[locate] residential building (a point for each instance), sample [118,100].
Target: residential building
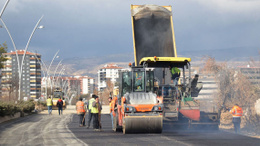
[87,84]
[252,73]
[77,85]
[210,86]
[108,72]
[30,79]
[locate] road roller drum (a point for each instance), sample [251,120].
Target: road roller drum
[143,124]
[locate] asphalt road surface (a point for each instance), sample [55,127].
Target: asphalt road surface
[42,129]
[169,137]
[39,129]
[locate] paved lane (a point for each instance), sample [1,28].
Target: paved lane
[170,136]
[39,129]
[43,129]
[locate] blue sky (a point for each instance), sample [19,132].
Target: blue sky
[87,28]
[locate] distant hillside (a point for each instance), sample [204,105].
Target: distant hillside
[89,66]
[229,54]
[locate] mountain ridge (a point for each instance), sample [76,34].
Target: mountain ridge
[88,66]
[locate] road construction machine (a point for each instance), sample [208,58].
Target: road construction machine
[138,107]
[57,94]
[154,46]
[138,110]
[179,98]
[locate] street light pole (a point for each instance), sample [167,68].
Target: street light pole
[57,79]
[25,50]
[28,42]
[62,69]
[53,77]
[44,72]
[2,11]
[45,77]
[64,85]
[43,65]
[53,60]
[16,52]
[57,67]
[48,72]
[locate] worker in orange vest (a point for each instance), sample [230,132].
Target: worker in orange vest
[237,112]
[114,105]
[81,111]
[113,109]
[159,97]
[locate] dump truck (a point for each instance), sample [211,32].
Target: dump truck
[154,46]
[154,51]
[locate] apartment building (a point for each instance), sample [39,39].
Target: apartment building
[87,84]
[252,73]
[108,72]
[75,84]
[30,79]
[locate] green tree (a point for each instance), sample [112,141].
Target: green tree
[3,49]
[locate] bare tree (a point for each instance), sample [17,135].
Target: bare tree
[72,90]
[234,88]
[107,92]
[11,85]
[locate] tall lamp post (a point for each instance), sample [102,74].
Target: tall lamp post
[48,72]
[45,73]
[42,65]
[59,64]
[2,11]
[53,77]
[20,65]
[57,79]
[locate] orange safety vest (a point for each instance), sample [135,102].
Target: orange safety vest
[236,111]
[113,104]
[80,107]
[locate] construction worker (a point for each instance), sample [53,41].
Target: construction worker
[110,109]
[80,107]
[99,114]
[139,82]
[89,106]
[237,112]
[175,72]
[159,97]
[114,106]
[95,111]
[60,105]
[49,105]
